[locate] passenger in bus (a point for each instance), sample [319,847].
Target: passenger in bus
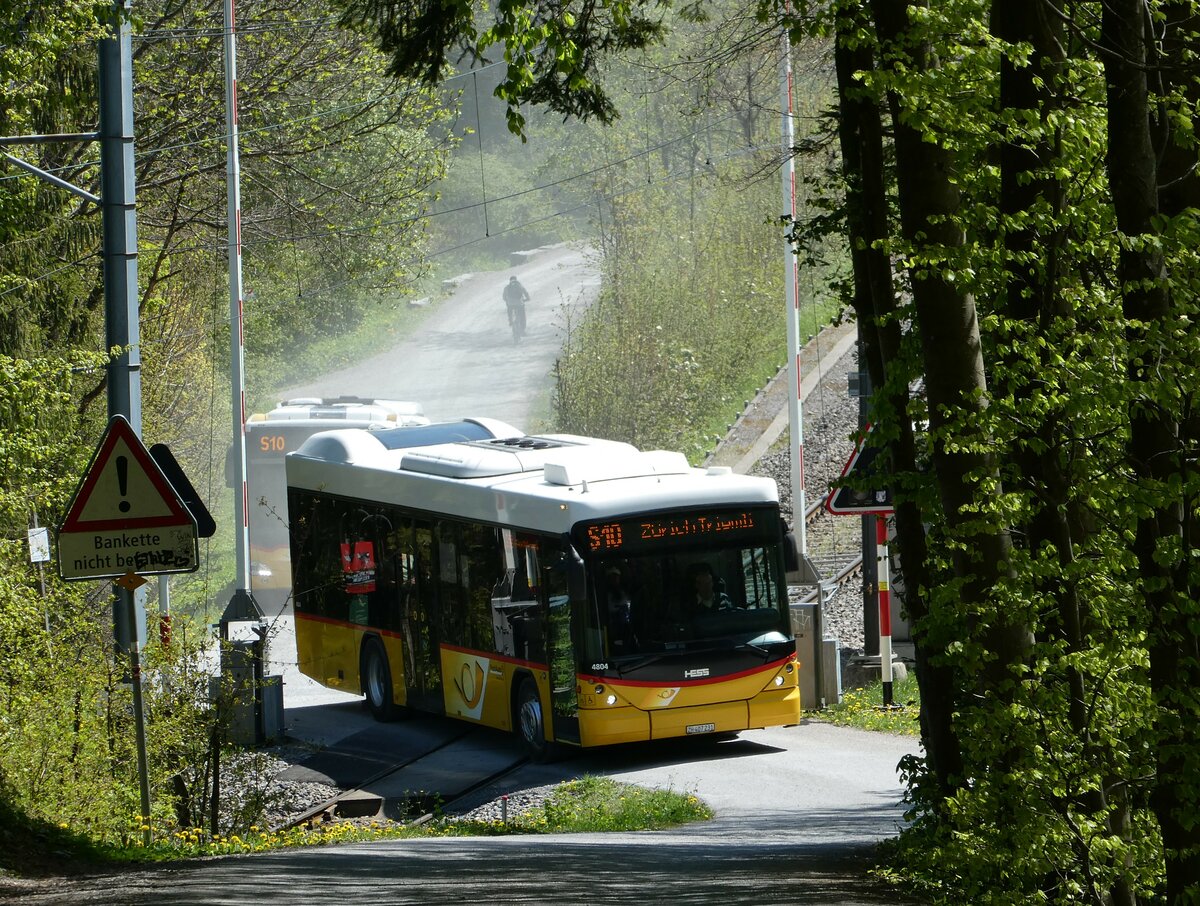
[620,610]
[708,595]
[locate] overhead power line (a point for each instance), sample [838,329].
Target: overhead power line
[271,127]
[250,243]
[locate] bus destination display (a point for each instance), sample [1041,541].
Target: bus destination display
[652,532]
[271,442]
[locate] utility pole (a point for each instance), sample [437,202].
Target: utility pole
[791,282]
[792,291]
[242,606]
[870,564]
[119,218]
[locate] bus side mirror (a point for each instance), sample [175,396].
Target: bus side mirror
[576,576]
[791,552]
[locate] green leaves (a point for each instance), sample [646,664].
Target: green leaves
[554,50]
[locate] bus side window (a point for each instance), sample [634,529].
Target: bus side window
[535,623]
[480,556]
[516,611]
[318,566]
[454,617]
[756,573]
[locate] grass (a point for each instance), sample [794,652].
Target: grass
[590,804]
[587,804]
[863,708]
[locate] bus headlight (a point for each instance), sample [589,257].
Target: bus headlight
[778,679]
[611,700]
[599,689]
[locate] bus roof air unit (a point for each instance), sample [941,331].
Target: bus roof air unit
[378,448]
[466,429]
[507,456]
[606,467]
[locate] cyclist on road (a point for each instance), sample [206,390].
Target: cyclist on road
[515,297]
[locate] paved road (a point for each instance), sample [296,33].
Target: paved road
[462,361]
[798,810]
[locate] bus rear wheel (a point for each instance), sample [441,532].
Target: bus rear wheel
[531,724]
[377,680]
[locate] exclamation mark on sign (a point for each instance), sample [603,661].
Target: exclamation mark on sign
[123,482]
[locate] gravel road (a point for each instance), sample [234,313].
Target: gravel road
[463,362]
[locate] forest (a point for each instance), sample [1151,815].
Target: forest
[360,191]
[1002,194]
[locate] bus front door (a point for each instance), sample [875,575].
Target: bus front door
[422,673]
[561,562]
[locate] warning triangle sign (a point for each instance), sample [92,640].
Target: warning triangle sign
[872,494]
[124,489]
[125,518]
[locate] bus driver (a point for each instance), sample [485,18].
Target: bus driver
[708,597]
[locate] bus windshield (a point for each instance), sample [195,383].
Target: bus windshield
[660,589]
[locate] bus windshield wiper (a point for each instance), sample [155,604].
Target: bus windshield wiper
[757,649]
[637,663]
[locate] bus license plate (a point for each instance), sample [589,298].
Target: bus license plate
[700,728]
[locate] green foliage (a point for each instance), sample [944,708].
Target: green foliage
[325,207]
[1053,801]
[48,239]
[691,317]
[41,454]
[505,194]
[329,219]
[651,369]
[553,52]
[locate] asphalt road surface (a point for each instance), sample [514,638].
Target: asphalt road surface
[462,360]
[798,811]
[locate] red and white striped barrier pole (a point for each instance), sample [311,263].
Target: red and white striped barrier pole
[885,609]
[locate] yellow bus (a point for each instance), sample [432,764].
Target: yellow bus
[576,591]
[272,435]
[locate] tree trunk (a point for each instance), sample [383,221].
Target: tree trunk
[953,357]
[861,134]
[1155,455]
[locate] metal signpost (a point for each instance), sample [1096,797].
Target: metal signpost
[876,501]
[124,522]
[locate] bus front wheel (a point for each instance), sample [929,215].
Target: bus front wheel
[377,680]
[531,724]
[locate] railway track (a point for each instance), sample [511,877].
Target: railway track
[460,764]
[845,571]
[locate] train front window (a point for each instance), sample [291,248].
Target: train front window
[692,599]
